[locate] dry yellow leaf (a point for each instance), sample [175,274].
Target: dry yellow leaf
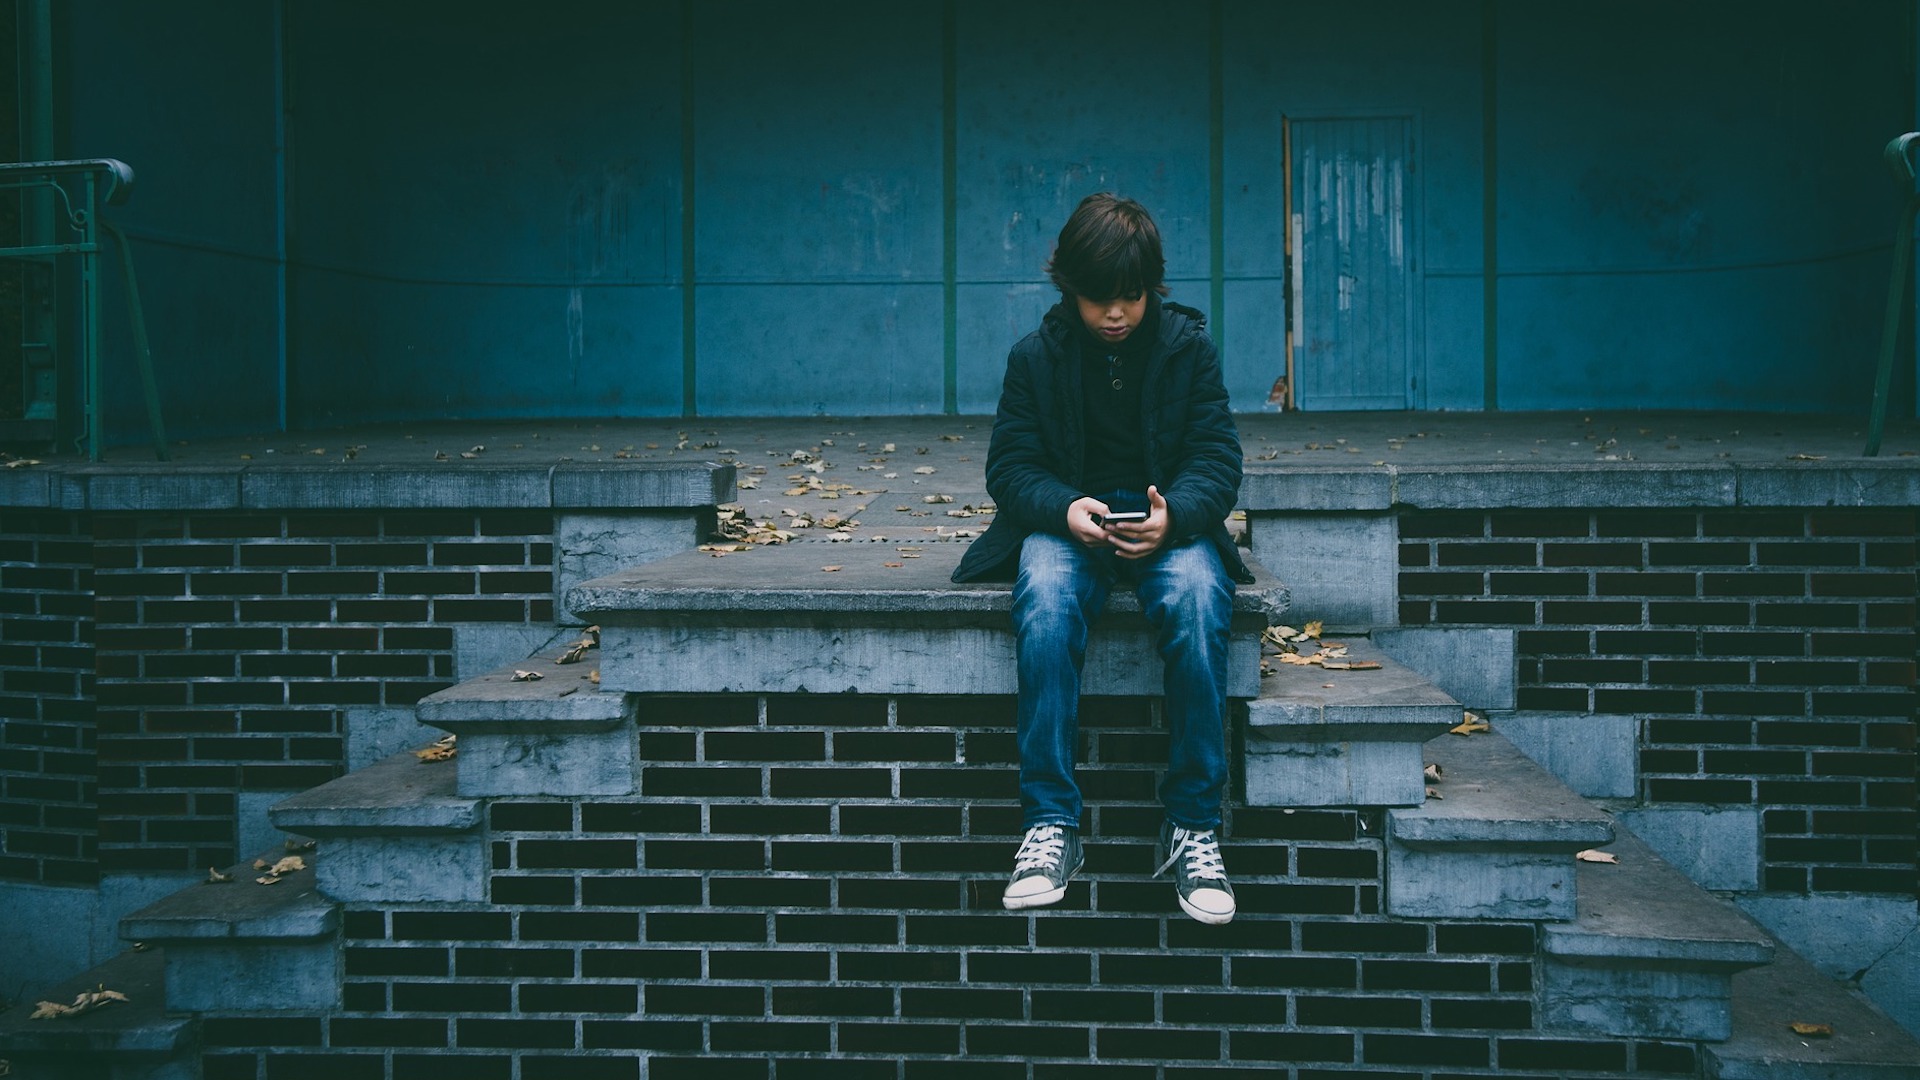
[574,654]
[595,676]
[1596,855]
[289,865]
[1472,725]
[268,880]
[1816,1031]
[830,569]
[1312,629]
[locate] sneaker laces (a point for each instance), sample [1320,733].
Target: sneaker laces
[1202,851]
[1041,850]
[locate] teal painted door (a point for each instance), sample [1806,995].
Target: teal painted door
[1352,272]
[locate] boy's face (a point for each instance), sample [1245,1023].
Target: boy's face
[1113,321]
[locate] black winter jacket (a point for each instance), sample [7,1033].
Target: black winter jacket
[1035,463]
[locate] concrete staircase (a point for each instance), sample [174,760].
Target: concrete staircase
[1628,950]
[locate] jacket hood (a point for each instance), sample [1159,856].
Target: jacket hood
[1178,324]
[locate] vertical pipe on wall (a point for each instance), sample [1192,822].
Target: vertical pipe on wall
[1216,176]
[281,101]
[688,340]
[949,209]
[1489,205]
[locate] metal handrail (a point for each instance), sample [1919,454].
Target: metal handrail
[80,187]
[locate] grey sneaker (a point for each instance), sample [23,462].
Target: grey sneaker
[1198,873]
[1049,857]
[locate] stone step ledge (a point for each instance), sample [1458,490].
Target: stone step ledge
[133,486]
[222,940]
[560,734]
[1343,738]
[1649,953]
[1866,1044]
[1498,843]
[859,617]
[394,832]
[125,1039]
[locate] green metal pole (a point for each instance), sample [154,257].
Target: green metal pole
[1896,154]
[143,353]
[92,411]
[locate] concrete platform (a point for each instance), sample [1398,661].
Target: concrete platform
[859,617]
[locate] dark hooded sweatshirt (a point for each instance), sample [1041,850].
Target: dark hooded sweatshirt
[1037,461]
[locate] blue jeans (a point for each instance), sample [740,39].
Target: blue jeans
[1188,599]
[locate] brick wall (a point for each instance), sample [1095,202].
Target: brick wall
[805,876]
[1771,655]
[230,646]
[47,810]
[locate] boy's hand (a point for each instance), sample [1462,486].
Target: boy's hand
[1138,539]
[1081,524]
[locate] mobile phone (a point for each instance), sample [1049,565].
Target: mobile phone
[1124,515]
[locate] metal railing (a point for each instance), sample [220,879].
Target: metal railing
[60,216]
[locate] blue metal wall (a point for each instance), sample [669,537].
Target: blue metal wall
[492,209]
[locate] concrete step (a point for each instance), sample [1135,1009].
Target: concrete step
[1649,953]
[393,832]
[1866,1044]
[243,946]
[130,1040]
[1343,738]
[863,617]
[1498,843]
[561,734]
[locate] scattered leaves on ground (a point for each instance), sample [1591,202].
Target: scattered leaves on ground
[1595,855]
[87,1001]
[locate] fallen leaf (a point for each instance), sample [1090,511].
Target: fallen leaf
[85,1002]
[574,654]
[595,676]
[937,499]
[21,463]
[1806,457]
[261,864]
[215,877]
[1817,1031]
[527,676]
[1472,725]
[289,865]
[1434,772]
[1595,855]
[1432,794]
[893,565]
[1312,629]
[301,845]
[830,569]
[268,880]
[926,470]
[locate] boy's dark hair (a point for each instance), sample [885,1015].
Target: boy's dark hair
[1109,248]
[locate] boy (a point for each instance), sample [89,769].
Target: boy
[1114,460]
